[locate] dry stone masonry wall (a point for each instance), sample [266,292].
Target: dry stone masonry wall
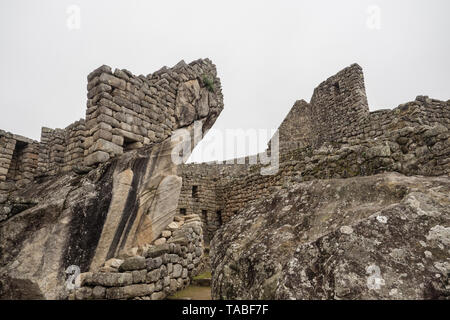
[124,112]
[202,193]
[333,136]
[18,160]
[158,271]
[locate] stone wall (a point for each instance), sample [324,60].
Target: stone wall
[202,194]
[154,273]
[126,112]
[296,129]
[412,139]
[337,104]
[74,141]
[51,151]
[420,150]
[18,160]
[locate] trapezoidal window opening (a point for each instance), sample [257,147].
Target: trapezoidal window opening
[128,144]
[183,211]
[219,217]
[204,216]
[194,191]
[15,167]
[337,88]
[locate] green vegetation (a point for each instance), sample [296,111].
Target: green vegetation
[208,82]
[204,275]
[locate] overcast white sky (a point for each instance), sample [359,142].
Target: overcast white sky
[268,53]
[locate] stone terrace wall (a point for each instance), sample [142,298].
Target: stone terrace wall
[157,272]
[126,112]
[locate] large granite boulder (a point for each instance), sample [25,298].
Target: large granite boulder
[379,237]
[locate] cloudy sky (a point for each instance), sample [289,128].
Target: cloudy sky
[268,53]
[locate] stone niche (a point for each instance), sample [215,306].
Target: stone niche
[18,160]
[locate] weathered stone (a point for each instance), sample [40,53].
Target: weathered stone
[114,263]
[153,276]
[96,157]
[83,293]
[112,81]
[177,270]
[350,252]
[133,263]
[139,276]
[158,295]
[157,251]
[173,226]
[166,233]
[108,147]
[110,279]
[120,204]
[98,293]
[160,241]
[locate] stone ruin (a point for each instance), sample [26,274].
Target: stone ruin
[118,161]
[105,189]
[332,136]
[124,112]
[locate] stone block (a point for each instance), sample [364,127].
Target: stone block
[127,135]
[83,293]
[139,276]
[114,263]
[118,140]
[133,263]
[154,275]
[111,279]
[157,251]
[99,293]
[96,157]
[153,263]
[160,241]
[112,81]
[103,134]
[158,295]
[3,171]
[107,146]
[177,270]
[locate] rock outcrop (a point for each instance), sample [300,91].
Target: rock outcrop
[379,237]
